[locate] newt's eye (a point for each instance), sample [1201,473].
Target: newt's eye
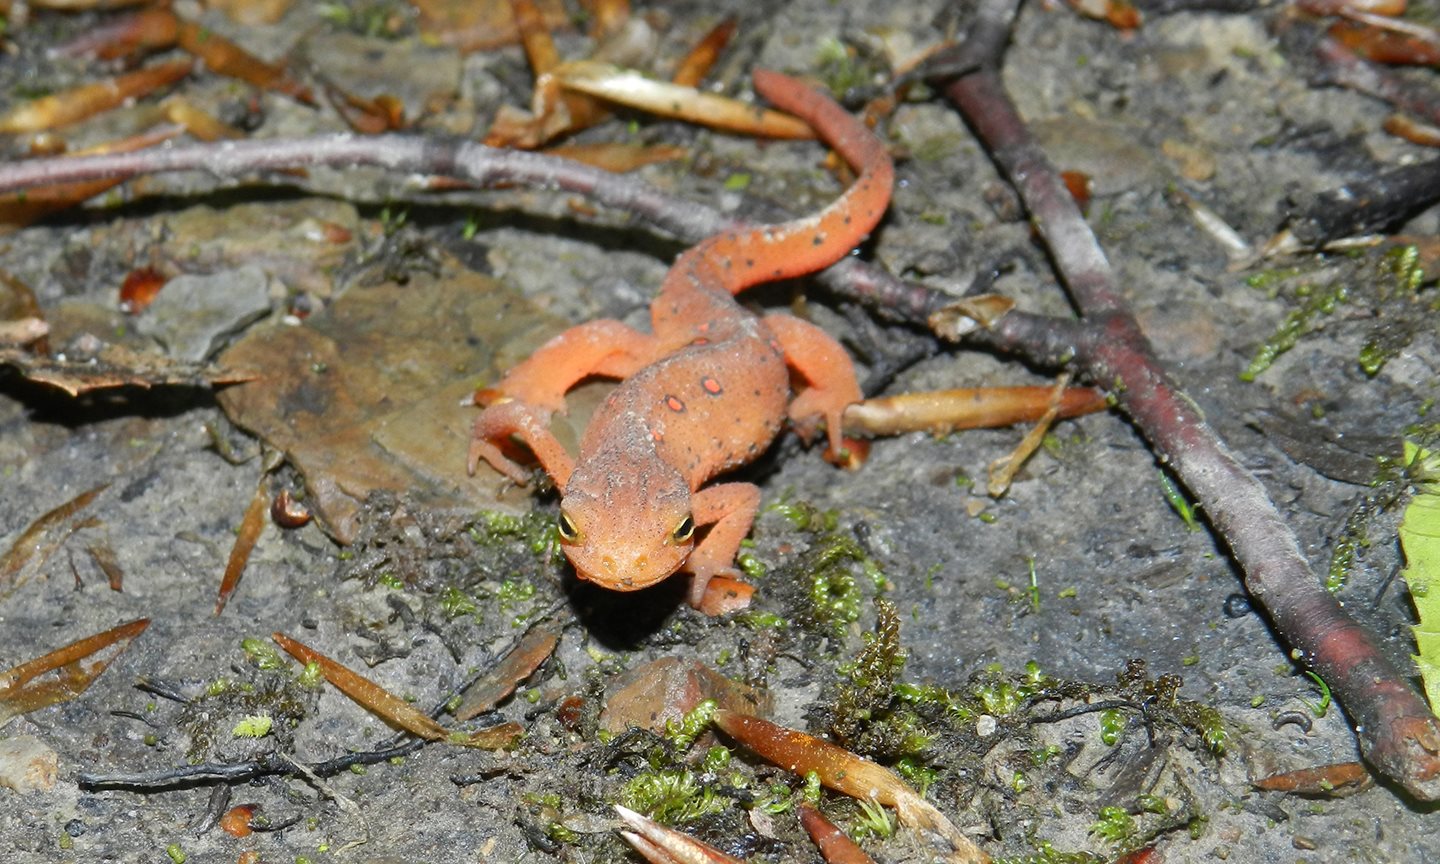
[684,531]
[568,532]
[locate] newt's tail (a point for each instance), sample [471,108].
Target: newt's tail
[790,249]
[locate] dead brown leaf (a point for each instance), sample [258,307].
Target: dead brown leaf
[696,65]
[79,103]
[19,696]
[632,89]
[41,538]
[1331,781]
[660,845]
[394,710]
[366,395]
[517,665]
[476,25]
[224,57]
[941,412]
[650,696]
[366,693]
[835,846]
[88,364]
[250,526]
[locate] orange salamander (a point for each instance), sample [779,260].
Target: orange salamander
[705,391]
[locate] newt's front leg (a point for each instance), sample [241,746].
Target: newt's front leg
[507,417]
[521,404]
[729,509]
[606,348]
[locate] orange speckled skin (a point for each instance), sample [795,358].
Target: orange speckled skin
[705,391]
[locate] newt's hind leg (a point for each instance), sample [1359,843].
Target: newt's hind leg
[606,348]
[831,385]
[729,510]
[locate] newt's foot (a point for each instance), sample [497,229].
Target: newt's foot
[502,418]
[724,594]
[852,453]
[482,449]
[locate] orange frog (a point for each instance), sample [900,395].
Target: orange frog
[705,391]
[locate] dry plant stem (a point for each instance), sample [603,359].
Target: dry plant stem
[1396,730]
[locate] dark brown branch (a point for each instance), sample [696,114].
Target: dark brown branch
[1396,730]
[1367,205]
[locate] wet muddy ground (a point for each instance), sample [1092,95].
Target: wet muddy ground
[1080,569]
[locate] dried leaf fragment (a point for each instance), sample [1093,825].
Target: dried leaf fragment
[943,411]
[843,771]
[969,314]
[660,845]
[366,693]
[131,35]
[19,696]
[1383,45]
[36,541]
[89,364]
[632,89]
[1334,780]
[394,710]
[224,57]
[517,665]
[250,526]
[72,106]
[835,846]
[696,65]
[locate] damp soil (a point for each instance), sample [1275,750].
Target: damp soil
[1082,568]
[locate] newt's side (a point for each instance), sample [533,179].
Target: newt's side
[704,392]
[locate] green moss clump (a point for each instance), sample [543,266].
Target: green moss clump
[671,796]
[869,716]
[1317,304]
[834,590]
[1384,283]
[683,732]
[535,529]
[1116,826]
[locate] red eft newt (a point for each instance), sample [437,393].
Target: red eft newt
[705,391]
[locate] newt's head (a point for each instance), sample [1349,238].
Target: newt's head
[625,520]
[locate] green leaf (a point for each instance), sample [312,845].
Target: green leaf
[1420,540]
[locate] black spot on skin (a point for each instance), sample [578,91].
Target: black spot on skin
[818,240]
[749,262]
